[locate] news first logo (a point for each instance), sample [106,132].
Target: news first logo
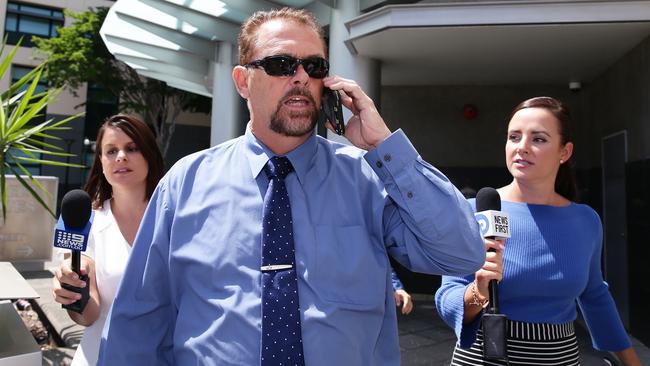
[493,223]
[483,222]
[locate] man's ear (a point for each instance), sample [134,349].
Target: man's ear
[240,77]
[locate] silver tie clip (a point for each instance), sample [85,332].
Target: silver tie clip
[275,267]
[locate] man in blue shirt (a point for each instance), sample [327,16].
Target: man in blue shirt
[192,291]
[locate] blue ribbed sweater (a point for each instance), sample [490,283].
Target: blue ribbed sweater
[551,261]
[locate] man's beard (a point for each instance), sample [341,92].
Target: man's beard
[294,124]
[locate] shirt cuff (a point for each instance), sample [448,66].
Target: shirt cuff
[393,155]
[397,285]
[468,332]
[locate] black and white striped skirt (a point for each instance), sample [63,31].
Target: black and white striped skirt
[528,344]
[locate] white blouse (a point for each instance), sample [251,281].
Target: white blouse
[110,251]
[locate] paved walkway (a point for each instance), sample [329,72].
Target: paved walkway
[67,331]
[424,338]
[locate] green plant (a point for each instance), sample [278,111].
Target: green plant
[22,141]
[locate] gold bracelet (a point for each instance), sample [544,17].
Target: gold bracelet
[475,299]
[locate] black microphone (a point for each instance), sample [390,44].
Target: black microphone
[72,231]
[494,224]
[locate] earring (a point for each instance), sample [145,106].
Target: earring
[561,161]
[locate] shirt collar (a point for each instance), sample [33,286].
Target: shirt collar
[103,215]
[302,157]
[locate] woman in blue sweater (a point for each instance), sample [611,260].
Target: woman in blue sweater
[551,261]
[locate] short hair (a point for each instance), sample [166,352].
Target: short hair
[248,32]
[97,186]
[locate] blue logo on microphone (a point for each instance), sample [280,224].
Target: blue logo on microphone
[71,237]
[483,222]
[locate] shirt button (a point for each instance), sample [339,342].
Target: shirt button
[387,157]
[379,164]
[409,195]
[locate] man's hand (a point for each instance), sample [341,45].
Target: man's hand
[366,129]
[404,299]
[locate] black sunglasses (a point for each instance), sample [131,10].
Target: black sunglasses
[315,67]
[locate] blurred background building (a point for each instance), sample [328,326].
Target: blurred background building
[41,18]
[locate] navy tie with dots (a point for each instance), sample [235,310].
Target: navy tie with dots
[281,336]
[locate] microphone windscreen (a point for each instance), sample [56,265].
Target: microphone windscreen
[76,208]
[488,198]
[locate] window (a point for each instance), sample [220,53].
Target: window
[29,20]
[18,72]
[100,104]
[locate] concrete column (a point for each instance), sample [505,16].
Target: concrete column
[364,70]
[225,100]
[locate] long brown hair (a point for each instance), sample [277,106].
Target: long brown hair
[565,180]
[97,186]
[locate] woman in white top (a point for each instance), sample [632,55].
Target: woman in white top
[125,171]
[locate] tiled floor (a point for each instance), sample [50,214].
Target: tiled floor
[426,340]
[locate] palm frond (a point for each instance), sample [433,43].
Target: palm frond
[31,178]
[17,112]
[20,140]
[47,162]
[3,191]
[34,143]
[31,151]
[31,190]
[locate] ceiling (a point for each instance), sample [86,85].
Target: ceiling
[499,41]
[435,43]
[178,41]
[500,54]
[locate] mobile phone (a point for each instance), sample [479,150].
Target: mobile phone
[331,110]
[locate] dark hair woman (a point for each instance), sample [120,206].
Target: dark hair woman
[125,171]
[551,261]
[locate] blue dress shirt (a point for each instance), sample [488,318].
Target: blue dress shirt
[397,284]
[191,292]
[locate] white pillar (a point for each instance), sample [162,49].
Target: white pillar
[365,71]
[225,100]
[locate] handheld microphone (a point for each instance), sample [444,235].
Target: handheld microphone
[494,224]
[71,232]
